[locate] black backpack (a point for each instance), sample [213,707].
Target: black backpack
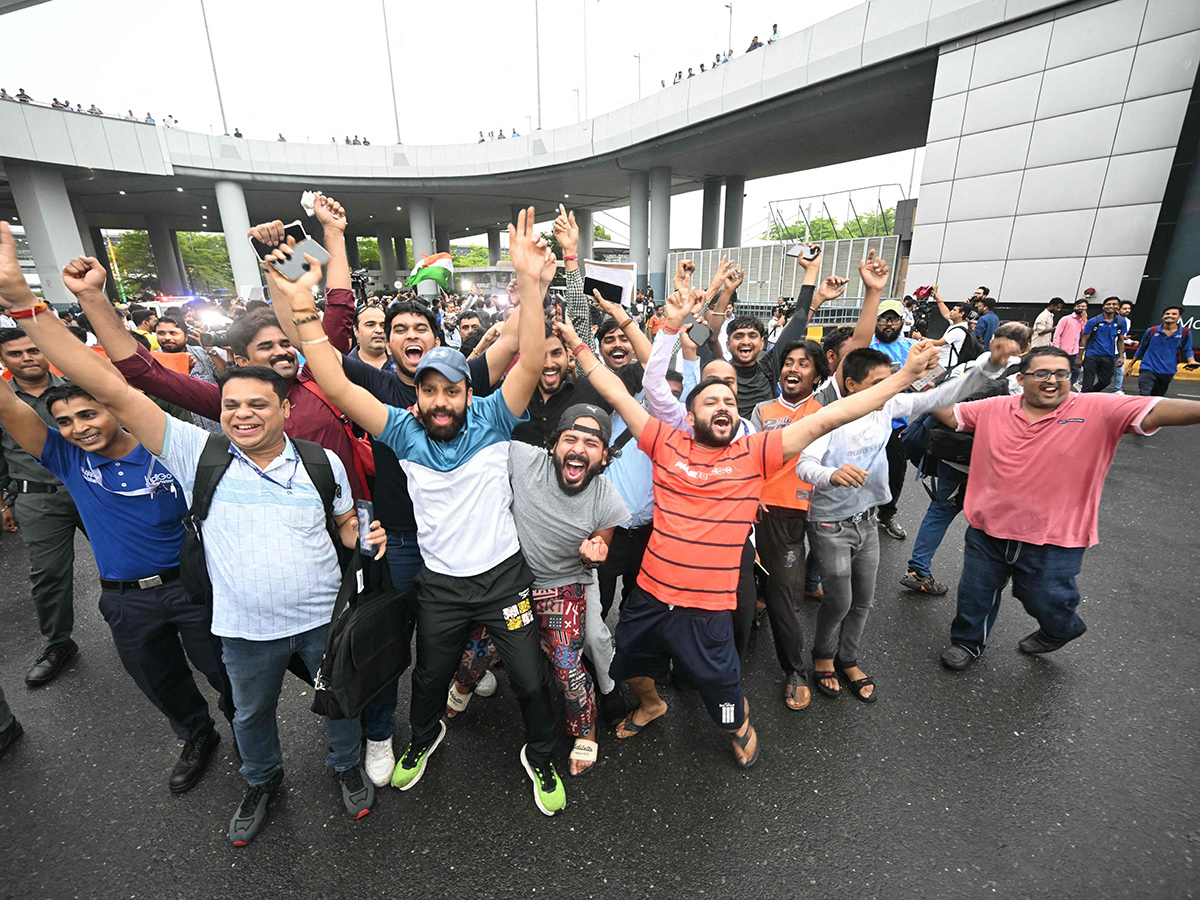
[971,348]
[214,460]
[946,444]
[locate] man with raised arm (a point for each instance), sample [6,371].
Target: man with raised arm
[455,449]
[1038,538]
[267,547]
[411,332]
[256,340]
[706,491]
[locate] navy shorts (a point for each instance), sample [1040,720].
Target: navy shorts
[700,641]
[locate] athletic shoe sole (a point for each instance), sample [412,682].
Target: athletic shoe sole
[537,796]
[425,761]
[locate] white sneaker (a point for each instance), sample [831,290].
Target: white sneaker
[487,685]
[381,761]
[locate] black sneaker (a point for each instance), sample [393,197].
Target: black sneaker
[923,584]
[357,793]
[1040,642]
[50,663]
[192,761]
[251,815]
[893,528]
[956,657]
[9,736]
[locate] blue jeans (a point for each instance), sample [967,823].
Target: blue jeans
[404,562]
[1043,579]
[942,511]
[256,670]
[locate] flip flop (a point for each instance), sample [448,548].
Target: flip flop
[794,683]
[742,742]
[627,724]
[583,751]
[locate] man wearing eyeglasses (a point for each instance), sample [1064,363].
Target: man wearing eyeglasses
[1037,538]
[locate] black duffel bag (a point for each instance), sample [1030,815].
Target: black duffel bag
[369,644]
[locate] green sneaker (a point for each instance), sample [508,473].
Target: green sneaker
[411,766]
[548,791]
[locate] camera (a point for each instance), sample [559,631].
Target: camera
[214,339]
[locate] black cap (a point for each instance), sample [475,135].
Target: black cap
[586,411]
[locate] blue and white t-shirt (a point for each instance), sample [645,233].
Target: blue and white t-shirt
[460,489]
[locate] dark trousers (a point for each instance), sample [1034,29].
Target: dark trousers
[1153,384]
[153,628]
[404,562]
[943,509]
[1043,579]
[48,522]
[1097,373]
[500,600]
[747,600]
[897,470]
[624,561]
[780,537]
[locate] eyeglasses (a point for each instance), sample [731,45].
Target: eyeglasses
[1041,376]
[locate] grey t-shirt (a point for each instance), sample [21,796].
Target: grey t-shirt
[551,524]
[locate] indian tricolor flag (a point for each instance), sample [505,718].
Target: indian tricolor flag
[439,268]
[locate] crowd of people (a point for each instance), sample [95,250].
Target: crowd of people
[533,463]
[719,59]
[497,136]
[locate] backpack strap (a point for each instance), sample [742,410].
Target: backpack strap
[316,464]
[624,439]
[214,460]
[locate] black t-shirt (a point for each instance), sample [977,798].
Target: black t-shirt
[631,375]
[393,505]
[544,415]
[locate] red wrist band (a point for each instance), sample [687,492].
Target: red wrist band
[570,258]
[669,330]
[579,349]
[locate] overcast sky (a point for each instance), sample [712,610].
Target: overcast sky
[314,70]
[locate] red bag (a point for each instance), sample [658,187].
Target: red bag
[364,457]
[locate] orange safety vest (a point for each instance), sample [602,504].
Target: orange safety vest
[784,489]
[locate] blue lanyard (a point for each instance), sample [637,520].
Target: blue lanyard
[261,474]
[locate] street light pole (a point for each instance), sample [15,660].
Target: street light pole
[387,41]
[213,59]
[638,57]
[537,45]
[585,66]
[729,6]
[577,117]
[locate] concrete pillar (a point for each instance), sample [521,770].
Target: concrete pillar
[401,244]
[420,226]
[735,188]
[81,222]
[188,287]
[442,234]
[387,256]
[583,218]
[352,257]
[493,246]
[231,204]
[710,222]
[166,259]
[639,225]
[101,247]
[660,229]
[45,210]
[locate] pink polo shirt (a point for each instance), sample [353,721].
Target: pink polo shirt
[1068,332]
[1040,482]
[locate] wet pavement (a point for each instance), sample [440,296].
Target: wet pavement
[1072,775]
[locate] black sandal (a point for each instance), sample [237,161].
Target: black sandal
[743,742]
[794,682]
[856,685]
[818,675]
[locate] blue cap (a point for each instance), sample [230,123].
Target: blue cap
[447,361]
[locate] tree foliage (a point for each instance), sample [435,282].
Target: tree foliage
[867,224]
[206,258]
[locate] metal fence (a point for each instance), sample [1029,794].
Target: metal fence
[771,274]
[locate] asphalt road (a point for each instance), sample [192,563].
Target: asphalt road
[1073,775]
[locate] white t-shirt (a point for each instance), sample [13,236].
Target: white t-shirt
[954,337]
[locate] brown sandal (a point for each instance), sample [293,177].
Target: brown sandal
[794,683]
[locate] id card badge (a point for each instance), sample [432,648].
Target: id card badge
[365,510]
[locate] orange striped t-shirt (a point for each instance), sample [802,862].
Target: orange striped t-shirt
[784,489]
[704,504]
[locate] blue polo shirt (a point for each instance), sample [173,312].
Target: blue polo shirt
[131,507]
[1160,353]
[985,328]
[1104,336]
[897,352]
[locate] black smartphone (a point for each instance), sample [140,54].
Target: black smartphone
[295,231]
[700,334]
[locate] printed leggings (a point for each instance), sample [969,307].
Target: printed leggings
[560,613]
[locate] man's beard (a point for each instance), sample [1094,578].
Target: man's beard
[572,490]
[704,435]
[885,337]
[444,433]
